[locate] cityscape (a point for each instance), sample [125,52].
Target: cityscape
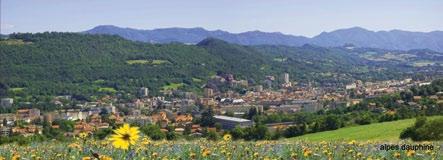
[221,80]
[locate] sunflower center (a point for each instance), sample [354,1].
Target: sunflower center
[126,137]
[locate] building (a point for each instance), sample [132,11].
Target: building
[231,122]
[5,131]
[286,78]
[28,115]
[143,92]
[6,102]
[208,92]
[9,117]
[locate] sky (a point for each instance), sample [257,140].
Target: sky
[296,17]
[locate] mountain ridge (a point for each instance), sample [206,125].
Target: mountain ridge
[393,39]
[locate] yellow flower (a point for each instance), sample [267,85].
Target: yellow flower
[307,152]
[352,142]
[192,155]
[124,136]
[154,155]
[206,152]
[2,158]
[146,141]
[16,157]
[103,157]
[74,145]
[227,137]
[83,135]
[86,158]
[294,155]
[397,155]
[410,153]
[256,154]
[359,154]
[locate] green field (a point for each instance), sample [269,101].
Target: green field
[107,90]
[172,86]
[386,131]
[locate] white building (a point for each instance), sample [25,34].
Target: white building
[6,102]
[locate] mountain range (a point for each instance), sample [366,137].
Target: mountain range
[360,37]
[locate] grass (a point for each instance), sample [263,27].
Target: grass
[172,86]
[197,80]
[14,42]
[16,90]
[386,131]
[107,90]
[150,62]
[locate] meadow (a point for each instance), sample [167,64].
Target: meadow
[203,149]
[359,142]
[385,131]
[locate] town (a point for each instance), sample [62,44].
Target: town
[180,109]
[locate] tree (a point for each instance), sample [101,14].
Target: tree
[153,131]
[237,132]
[207,119]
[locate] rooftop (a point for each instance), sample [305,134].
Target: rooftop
[232,118]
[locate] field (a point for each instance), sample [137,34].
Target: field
[360,143]
[387,131]
[172,86]
[203,149]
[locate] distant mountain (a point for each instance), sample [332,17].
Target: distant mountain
[360,37]
[195,35]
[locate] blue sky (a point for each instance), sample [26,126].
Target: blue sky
[297,17]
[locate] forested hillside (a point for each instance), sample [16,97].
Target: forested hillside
[72,63]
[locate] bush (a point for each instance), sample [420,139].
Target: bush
[424,130]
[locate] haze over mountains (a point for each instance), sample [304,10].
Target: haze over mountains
[394,39]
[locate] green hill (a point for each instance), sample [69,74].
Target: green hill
[386,131]
[72,63]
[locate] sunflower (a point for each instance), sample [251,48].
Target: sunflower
[206,152]
[83,135]
[307,152]
[397,155]
[86,158]
[227,137]
[103,157]
[410,153]
[124,136]
[16,156]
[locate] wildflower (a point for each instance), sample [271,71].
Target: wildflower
[74,145]
[428,151]
[146,141]
[227,137]
[125,136]
[359,154]
[103,157]
[2,158]
[83,135]
[16,156]
[294,155]
[352,142]
[397,155]
[307,152]
[256,154]
[410,153]
[192,155]
[86,158]
[154,155]
[206,152]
